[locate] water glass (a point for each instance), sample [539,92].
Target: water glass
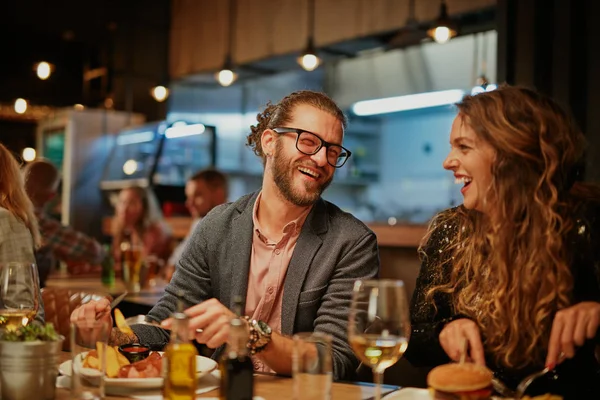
[89,340]
[311,366]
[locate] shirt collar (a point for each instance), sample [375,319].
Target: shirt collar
[291,228]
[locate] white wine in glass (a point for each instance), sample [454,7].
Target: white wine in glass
[379,325]
[19,289]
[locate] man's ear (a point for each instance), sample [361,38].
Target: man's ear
[268,139]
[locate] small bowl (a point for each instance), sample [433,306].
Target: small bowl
[134,351]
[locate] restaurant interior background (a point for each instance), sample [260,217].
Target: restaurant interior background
[106,57]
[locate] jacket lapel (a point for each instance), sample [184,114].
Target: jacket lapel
[242,228]
[309,242]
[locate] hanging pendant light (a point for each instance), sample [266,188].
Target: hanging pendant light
[482,83]
[226,76]
[309,59]
[443,29]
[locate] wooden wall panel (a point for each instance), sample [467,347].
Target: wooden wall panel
[264,28]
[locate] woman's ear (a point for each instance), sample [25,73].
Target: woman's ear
[268,140]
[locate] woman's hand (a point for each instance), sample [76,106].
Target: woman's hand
[453,336]
[571,327]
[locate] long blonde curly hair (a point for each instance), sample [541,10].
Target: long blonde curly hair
[13,196]
[510,267]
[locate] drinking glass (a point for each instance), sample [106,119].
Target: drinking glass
[311,366]
[379,325]
[89,341]
[19,290]
[132,267]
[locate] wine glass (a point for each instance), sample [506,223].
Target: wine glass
[19,289]
[379,325]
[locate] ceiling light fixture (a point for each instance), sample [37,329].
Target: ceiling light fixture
[20,106]
[443,29]
[43,70]
[408,102]
[226,76]
[309,59]
[159,93]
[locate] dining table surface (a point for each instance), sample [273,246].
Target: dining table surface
[147,296]
[270,387]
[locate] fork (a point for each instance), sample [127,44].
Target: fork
[528,380]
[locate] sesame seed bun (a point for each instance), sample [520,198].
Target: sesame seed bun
[454,378]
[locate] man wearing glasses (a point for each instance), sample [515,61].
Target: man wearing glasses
[290,254]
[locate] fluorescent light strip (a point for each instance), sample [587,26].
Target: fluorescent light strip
[408,102]
[184,130]
[137,137]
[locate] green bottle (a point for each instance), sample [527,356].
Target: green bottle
[108,267]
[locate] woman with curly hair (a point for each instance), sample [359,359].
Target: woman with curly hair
[513,273]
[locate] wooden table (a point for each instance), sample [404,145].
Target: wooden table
[147,297]
[273,387]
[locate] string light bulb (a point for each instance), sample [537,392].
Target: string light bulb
[43,70]
[20,106]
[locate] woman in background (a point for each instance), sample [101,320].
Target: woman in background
[514,271]
[19,234]
[139,223]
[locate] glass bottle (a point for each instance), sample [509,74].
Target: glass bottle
[180,360]
[108,267]
[237,371]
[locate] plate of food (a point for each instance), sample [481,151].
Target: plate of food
[121,373]
[409,393]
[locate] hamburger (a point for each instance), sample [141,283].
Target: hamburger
[460,382]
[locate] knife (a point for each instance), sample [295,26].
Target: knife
[113,304]
[119,299]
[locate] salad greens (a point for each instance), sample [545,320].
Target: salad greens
[30,333]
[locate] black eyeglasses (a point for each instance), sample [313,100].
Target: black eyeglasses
[310,143]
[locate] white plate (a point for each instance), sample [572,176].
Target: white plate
[409,394]
[204,366]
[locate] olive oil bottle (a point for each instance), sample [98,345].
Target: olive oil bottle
[179,365]
[237,371]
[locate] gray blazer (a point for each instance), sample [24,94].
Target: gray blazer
[333,250]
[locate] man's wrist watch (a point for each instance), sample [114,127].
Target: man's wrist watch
[260,335]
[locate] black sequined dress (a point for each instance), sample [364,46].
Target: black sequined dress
[576,378]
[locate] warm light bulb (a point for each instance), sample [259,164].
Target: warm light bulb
[43,70]
[309,62]
[441,34]
[20,106]
[28,154]
[129,167]
[160,93]
[226,77]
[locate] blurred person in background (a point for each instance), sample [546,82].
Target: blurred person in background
[205,190]
[138,221]
[19,234]
[514,271]
[59,242]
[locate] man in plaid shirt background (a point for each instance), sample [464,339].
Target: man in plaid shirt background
[59,242]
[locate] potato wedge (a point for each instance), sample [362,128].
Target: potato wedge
[121,324]
[112,362]
[92,362]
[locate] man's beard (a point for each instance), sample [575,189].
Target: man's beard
[283,176]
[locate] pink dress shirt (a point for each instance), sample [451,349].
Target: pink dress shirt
[268,266]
